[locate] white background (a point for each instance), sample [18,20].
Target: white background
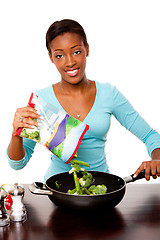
[124,39]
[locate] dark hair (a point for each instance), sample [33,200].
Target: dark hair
[63,26]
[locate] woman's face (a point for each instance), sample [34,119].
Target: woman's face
[68,53]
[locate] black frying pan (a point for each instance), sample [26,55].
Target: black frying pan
[116,187]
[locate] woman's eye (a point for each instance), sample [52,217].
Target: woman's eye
[59,56]
[77,52]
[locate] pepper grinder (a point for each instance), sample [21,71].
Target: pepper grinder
[4,218]
[18,211]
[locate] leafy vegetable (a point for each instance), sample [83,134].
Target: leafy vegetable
[99,189]
[86,179]
[57,185]
[83,186]
[31,133]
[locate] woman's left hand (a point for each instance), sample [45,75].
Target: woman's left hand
[151,168]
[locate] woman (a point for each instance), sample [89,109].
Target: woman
[89,101]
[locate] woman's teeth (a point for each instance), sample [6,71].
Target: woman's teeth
[72,72]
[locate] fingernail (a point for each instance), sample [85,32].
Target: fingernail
[134,176]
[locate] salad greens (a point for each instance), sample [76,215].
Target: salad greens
[31,133]
[83,185]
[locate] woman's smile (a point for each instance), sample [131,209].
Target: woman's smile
[72,72]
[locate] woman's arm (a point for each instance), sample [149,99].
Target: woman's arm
[156,154]
[131,120]
[16,150]
[28,146]
[151,167]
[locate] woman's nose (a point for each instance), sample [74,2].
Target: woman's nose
[70,61]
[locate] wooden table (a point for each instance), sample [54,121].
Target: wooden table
[136,217]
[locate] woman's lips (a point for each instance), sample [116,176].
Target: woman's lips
[72,73]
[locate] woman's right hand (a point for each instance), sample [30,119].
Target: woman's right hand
[23,118]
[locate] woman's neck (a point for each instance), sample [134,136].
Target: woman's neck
[73,89]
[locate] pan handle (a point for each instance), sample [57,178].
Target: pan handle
[131,178]
[39,189]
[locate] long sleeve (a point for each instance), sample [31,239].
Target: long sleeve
[29,146]
[131,120]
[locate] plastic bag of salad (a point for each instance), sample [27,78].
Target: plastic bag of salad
[58,131]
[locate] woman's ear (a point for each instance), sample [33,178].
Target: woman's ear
[87,50]
[50,56]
